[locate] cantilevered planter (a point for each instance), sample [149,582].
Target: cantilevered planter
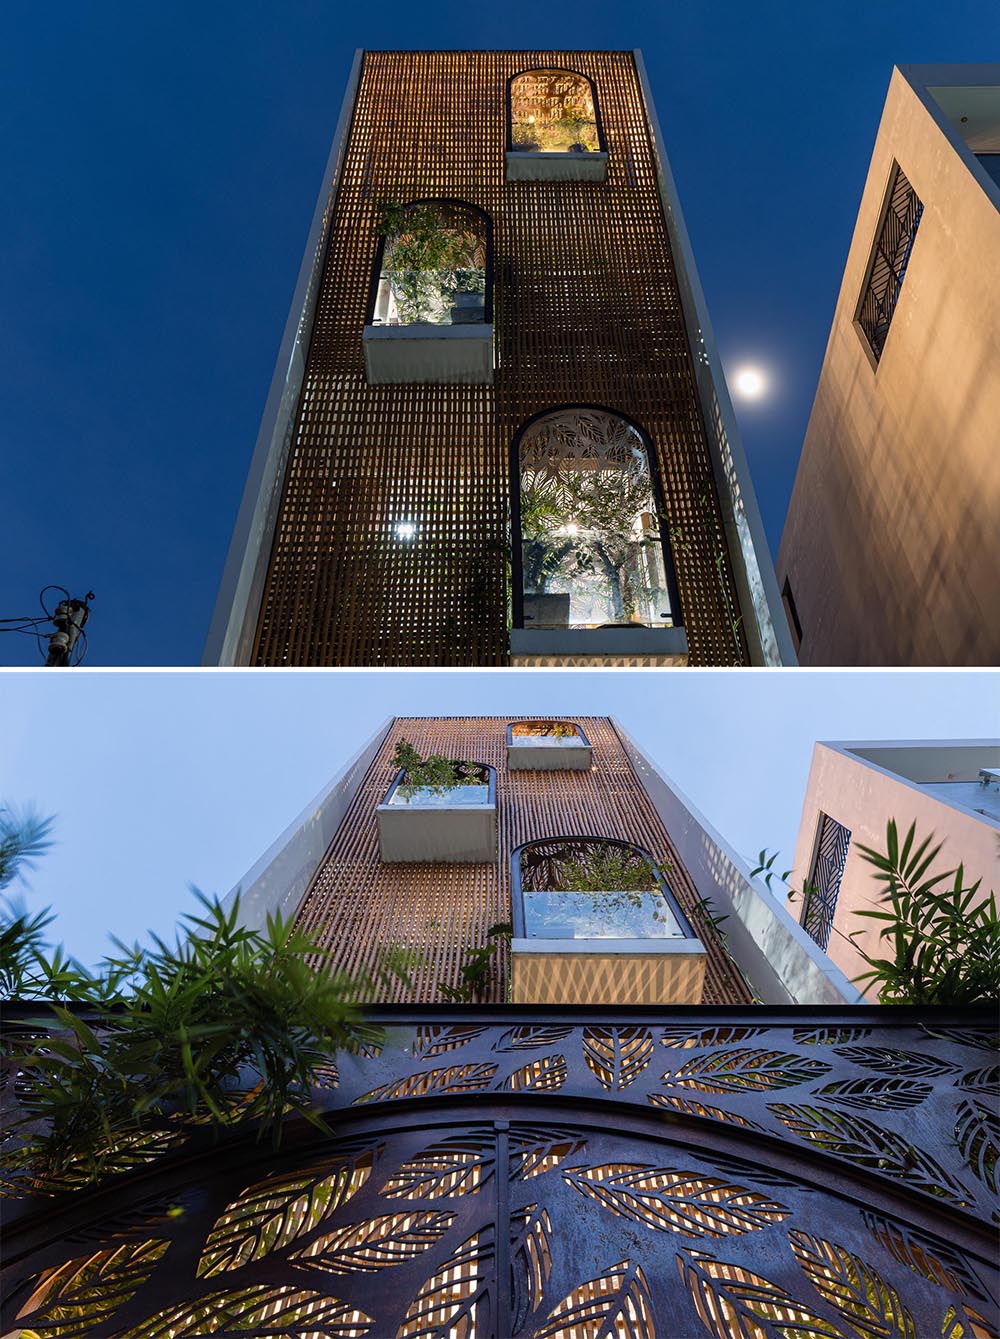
[435,354]
[536,746]
[454,824]
[597,947]
[532,165]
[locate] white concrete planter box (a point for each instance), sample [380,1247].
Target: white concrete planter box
[549,753]
[439,826]
[607,971]
[530,165]
[600,642]
[438,354]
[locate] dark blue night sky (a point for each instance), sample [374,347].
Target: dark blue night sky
[161,166]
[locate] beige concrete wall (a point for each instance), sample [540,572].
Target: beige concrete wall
[892,540]
[863,797]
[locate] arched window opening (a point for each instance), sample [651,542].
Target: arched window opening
[592,546]
[591,888]
[432,265]
[553,111]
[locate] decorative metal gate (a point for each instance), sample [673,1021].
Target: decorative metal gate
[761,1175]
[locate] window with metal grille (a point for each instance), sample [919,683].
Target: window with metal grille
[890,257]
[824,880]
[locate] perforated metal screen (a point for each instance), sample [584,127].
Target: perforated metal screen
[392,543]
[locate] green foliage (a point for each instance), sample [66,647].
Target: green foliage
[428,258]
[944,936]
[543,512]
[477,968]
[225,1026]
[432,773]
[571,132]
[608,870]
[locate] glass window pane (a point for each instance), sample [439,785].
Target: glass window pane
[552,111]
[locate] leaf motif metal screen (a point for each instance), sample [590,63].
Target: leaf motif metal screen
[392,545]
[639,1174]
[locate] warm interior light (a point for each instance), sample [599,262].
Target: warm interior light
[405,530]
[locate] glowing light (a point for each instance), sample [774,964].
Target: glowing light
[750,383]
[405,530]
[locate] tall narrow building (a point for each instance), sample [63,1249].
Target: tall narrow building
[498,431]
[891,548]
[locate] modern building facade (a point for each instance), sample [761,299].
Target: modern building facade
[950,789]
[498,431]
[733,1163]
[891,545]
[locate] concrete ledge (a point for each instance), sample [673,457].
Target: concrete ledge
[539,754]
[430,354]
[598,642]
[456,836]
[528,165]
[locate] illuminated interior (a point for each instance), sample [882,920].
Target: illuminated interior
[591,546]
[433,269]
[552,111]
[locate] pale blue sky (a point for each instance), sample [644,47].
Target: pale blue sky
[160,780]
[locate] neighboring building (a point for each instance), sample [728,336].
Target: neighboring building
[891,546]
[580,1167]
[498,399]
[949,789]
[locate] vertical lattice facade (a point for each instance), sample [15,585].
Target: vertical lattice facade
[587,311]
[359,908]
[824,881]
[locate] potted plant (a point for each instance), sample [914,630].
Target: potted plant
[438,809]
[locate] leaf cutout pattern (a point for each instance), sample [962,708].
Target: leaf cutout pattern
[549,1074]
[265,1308]
[984,1081]
[746,1071]
[534,1150]
[829,1036]
[733,1303]
[667,1200]
[375,1244]
[700,1109]
[876,1094]
[978,1326]
[980,1039]
[326,1076]
[873,1147]
[868,1304]
[272,1213]
[71,1299]
[977,1132]
[435,1040]
[682,1038]
[530,1262]
[446,1170]
[455,1300]
[617,1305]
[454,1079]
[934,1260]
[527,1038]
[905,1064]
[617,1056]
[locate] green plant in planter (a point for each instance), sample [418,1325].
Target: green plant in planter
[433,773]
[428,258]
[605,504]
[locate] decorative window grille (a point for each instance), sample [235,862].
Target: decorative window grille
[824,881]
[887,267]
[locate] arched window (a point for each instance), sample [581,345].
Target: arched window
[590,541]
[433,265]
[591,888]
[553,111]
